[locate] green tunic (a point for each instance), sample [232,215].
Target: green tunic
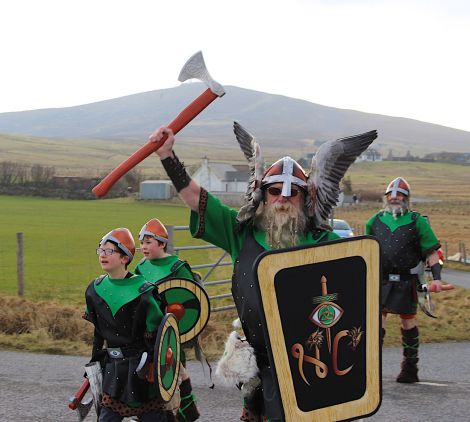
[218,225]
[405,241]
[126,314]
[155,270]
[427,238]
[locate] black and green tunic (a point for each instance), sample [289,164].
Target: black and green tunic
[216,223]
[404,242]
[126,314]
[156,270]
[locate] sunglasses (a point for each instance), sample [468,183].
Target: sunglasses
[107,252]
[277,191]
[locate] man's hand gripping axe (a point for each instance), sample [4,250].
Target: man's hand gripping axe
[424,298]
[194,68]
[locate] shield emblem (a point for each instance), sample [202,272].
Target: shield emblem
[321,315]
[167,357]
[189,302]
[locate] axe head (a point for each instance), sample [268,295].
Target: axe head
[195,68]
[83,409]
[425,301]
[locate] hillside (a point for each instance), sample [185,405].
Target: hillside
[277,121]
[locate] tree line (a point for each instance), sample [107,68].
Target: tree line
[38,180]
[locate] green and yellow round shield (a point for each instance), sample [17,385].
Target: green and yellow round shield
[189,302]
[167,357]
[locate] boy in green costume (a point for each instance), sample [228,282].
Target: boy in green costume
[126,312]
[156,266]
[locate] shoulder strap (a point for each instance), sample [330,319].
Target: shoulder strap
[99,279]
[145,286]
[180,263]
[177,265]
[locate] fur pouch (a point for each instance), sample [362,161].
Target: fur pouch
[238,363]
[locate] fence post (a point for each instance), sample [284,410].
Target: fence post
[446,251]
[464,253]
[171,244]
[20,263]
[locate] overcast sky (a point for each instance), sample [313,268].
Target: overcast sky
[407,58]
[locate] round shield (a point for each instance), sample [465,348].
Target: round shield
[189,302]
[167,357]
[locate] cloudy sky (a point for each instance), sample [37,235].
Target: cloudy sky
[407,58]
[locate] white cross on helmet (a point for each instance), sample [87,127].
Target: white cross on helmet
[398,185]
[286,171]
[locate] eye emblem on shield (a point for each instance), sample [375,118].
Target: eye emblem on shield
[326,314]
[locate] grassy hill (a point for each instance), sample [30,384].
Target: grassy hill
[276,120]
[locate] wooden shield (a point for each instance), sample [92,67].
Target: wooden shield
[167,357]
[321,311]
[189,302]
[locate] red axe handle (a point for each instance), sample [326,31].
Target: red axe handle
[78,397]
[188,114]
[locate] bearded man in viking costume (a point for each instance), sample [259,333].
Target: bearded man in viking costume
[284,207]
[406,238]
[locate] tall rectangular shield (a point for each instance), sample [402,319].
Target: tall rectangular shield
[321,311]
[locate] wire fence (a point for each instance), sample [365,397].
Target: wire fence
[41,269]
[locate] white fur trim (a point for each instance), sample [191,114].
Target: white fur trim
[236,323]
[238,363]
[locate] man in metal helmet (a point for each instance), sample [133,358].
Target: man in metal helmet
[126,313]
[284,207]
[406,238]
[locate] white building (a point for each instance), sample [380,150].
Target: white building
[370,154]
[221,177]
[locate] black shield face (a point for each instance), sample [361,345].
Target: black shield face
[167,357]
[322,320]
[189,302]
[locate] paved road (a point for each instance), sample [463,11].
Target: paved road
[460,278]
[37,388]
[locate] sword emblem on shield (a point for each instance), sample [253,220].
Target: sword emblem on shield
[325,315]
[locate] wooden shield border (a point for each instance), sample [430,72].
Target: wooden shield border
[200,294]
[266,268]
[168,327]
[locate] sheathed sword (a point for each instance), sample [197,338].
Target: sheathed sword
[194,68]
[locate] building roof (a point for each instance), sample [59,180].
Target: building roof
[228,172]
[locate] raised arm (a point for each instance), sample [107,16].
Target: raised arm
[187,188]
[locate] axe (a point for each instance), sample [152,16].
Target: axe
[424,298]
[76,403]
[194,68]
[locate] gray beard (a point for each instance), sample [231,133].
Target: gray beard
[282,228]
[397,210]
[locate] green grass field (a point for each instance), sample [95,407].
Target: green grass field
[60,238]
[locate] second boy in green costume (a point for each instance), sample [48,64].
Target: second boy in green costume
[156,266]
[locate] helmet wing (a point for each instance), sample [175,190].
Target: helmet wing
[252,151]
[329,165]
